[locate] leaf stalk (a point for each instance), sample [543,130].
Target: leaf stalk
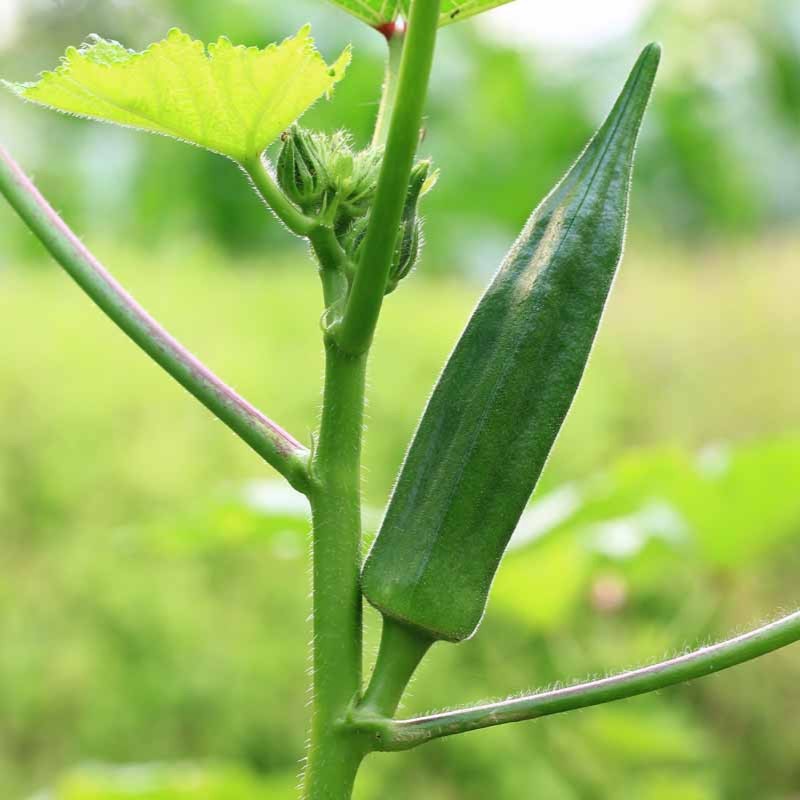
[393,735]
[269,191]
[267,438]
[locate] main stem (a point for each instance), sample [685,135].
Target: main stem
[336,747]
[335,751]
[369,285]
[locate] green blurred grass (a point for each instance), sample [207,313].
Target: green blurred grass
[695,348]
[119,647]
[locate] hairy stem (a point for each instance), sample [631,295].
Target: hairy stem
[401,651]
[268,439]
[366,296]
[335,751]
[269,191]
[332,259]
[390,85]
[405,734]
[334,266]
[336,748]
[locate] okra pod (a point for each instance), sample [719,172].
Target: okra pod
[501,400]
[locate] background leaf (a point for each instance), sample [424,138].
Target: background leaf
[455,10]
[373,12]
[379,12]
[233,100]
[542,586]
[171,782]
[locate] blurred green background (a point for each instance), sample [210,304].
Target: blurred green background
[154,582]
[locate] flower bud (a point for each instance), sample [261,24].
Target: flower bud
[357,188]
[406,253]
[301,170]
[353,238]
[409,239]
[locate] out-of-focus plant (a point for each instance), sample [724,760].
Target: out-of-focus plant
[498,406]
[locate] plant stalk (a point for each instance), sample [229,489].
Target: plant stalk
[400,653]
[391,735]
[366,296]
[335,751]
[268,439]
[336,748]
[332,259]
[269,191]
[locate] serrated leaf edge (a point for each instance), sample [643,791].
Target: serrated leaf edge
[21,89]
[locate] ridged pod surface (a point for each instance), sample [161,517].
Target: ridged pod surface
[501,400]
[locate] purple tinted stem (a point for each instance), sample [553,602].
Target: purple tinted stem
[268,439]
[405,734]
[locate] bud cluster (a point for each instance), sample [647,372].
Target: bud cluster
[323,174]
[327,177]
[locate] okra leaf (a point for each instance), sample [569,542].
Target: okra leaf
[233,100]
[373,12]
[499,404]
[383,12]
[455,10]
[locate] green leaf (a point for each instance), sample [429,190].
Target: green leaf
[233,100]
[455,10]
[382,12]
[373,12]
[500,402]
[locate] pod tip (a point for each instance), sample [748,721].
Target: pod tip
[653,51]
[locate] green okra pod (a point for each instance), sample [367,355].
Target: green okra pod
[506,389]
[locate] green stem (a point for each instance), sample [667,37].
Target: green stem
[405,734]
[366,296]
[268,439]
[390,86]
[265,185]
[333,264]
[401,650]
[335,751]
[329,253]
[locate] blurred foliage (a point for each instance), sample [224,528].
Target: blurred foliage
[160,782]
[154,599]
[719,156]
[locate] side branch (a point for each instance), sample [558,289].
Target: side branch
[269,191]
[269,440]
[391,735]
[329,252]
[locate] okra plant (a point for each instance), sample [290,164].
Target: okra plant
[494,413]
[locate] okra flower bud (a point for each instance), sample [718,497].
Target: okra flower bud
[409,239]
[354,175]
[353,238]
[301,170]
